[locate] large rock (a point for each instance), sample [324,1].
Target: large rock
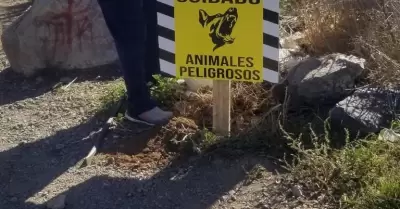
[66,34]
[368,110]
[326,79]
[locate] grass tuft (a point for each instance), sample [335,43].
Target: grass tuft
[113,94]
[363,174]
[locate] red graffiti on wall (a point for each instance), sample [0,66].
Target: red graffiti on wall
[72,23]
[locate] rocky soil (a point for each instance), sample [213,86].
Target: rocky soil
[45,131]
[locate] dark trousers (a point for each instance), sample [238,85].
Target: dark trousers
[133,25]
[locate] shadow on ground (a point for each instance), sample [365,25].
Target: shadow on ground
[15,87]
[198,185]
[28,168]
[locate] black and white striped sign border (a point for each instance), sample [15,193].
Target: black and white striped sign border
[166,27]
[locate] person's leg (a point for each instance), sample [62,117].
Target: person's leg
[152,62]
[125,20]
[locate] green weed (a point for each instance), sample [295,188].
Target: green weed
[362,175]
[114,93]
[168,91]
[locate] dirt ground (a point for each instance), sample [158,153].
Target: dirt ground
[44,133]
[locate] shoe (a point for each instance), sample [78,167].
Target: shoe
[155,116]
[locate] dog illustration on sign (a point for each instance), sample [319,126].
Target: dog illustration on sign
[220,26]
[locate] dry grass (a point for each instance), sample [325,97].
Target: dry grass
[249,101]
[367,28]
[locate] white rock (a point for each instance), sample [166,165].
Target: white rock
[189,93]
[389,135]
[225,198]
[196,84]
[290,52]
[292,41]
[59,34]
[180,81]
[287,60]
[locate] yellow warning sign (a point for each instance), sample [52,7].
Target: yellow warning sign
[219,39]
